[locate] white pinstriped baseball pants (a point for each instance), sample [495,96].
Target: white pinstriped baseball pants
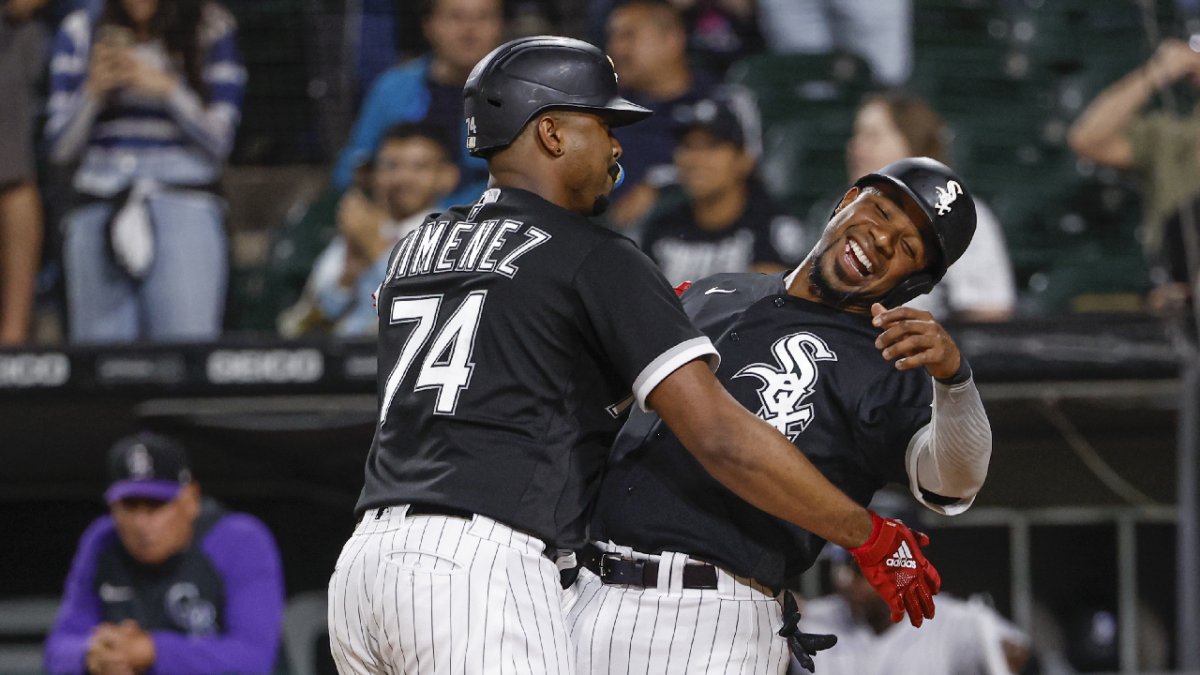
[672,630]
[445,596]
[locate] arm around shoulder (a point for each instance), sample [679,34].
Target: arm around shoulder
[752,459]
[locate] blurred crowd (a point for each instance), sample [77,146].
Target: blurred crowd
[123,115]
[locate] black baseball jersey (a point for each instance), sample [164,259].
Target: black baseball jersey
[685,251]
[809,370]
[511,333]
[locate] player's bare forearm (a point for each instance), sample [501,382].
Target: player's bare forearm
[754,460]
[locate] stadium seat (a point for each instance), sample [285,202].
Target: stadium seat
[305,631]
[24,625]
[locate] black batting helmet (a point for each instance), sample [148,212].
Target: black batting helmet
[944,200]
[522,78]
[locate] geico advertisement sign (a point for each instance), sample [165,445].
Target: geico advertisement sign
[254,366]
[34,370]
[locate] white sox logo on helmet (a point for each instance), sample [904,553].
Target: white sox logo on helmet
[788,383]
[946,197]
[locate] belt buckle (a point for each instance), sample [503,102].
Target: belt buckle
[605,560]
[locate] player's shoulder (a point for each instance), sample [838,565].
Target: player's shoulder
[100,535]
[242,528]
[736,287]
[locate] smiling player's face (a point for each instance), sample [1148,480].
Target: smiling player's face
[872,243]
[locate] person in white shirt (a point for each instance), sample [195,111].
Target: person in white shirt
[892,125]
[967,637]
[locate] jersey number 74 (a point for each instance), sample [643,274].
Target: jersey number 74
[447,365]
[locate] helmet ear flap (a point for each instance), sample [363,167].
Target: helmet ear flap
[912,286]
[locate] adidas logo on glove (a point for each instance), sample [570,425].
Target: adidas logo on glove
[902,558]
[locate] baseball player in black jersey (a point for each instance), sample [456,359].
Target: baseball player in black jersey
[687,573]
[513,332]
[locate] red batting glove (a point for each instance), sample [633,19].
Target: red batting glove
[892,561]
[681,288]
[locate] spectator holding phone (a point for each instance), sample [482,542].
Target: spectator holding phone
[145,96]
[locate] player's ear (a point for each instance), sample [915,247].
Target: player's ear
[850,196]
[551,134]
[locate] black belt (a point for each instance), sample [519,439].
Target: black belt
[613,568]
[435,510]
[419,509]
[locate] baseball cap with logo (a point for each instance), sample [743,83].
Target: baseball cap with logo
[713,115]
[146,465]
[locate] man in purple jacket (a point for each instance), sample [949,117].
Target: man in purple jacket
[168,582]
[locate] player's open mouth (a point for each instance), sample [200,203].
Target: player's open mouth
[855,260]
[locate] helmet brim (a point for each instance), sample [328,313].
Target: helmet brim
[621,112]
[617,112]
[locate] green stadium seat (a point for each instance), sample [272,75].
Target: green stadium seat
[259,295]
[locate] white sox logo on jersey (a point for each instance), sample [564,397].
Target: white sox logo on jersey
[793,379]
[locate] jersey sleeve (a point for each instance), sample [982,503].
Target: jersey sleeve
[892,409]
[637,318]
[80,611]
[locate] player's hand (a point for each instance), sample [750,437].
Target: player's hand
[105,655]
[893,563]
[804,646]
[137,645]
[912,338]
[359,221]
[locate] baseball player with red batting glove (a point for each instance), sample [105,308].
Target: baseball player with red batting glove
[513,332]
[870,391]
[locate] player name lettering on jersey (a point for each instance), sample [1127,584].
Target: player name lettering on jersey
[443,246]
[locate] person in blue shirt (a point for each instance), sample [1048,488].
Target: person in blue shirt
[168,582]
[429,89]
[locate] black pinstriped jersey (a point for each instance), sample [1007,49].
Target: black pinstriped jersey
[809,370]
[511,333]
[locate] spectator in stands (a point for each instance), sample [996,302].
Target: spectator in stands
[1161,147]
[894,125]
[880,32]
[146,96]
[169,582]
[965,637]
[22,49]
[429,89]
[721,32]
[648,45]
[413,169]
[725,222]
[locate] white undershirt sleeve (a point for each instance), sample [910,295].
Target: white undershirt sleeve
[949,456]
